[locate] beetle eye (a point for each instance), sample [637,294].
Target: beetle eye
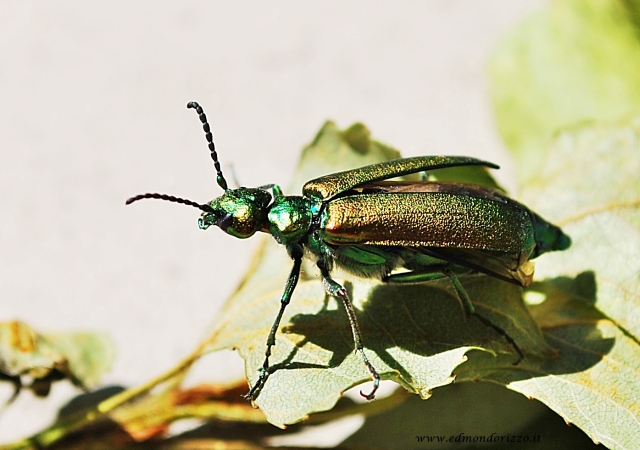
[225,221]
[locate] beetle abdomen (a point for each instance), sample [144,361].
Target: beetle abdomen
[433,220]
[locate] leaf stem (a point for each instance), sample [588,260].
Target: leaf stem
[58,431]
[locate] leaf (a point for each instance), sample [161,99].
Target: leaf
[590,187]
[468,174]
[576,61]
[591,314]
[80,357]
[593,383]
[413,334]
[461,415]
[151,416]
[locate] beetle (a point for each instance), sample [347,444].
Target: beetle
[405,232]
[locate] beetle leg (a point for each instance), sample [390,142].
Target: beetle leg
[467,305]
[504,334]
[292,281]
[337,290]
[470,310]
[437,271]
[275,189]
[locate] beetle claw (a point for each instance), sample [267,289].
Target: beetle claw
[371,395]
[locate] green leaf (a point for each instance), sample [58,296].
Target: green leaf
[570,74]
[415,335]
[80,357]
[576,61]
[593,381]
[467,174]
[591,314]
[469,416]
[333,150]
[590,187]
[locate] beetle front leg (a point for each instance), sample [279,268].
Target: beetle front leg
[337,290]
[292,281]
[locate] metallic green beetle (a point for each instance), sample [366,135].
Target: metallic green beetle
[357,221]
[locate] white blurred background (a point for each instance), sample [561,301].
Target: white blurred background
[92,111]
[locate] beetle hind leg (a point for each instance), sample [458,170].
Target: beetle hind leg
[505,335]
[438,271]
[470,310]
[337,290]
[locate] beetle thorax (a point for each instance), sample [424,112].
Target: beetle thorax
[290,218]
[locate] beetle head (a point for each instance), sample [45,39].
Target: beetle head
[238,212]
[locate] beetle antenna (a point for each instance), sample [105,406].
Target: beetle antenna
[171,198]
[212,147]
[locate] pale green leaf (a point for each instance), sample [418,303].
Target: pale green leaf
[592,383]
[591,313]
[590,185]
[570,74]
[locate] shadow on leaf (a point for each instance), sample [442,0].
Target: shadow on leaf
[405,326]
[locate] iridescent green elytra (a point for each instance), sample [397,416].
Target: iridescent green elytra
[391,230]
